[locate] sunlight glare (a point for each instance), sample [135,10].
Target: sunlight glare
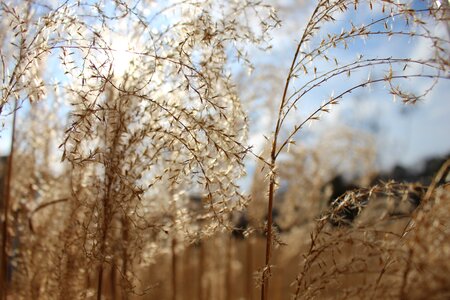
[122,55]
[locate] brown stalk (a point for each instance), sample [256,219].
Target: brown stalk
[249,269]
[174,268]
[201,266]
[228,271]
[125,262]
[110,176]
[273,159]
[112,280]
[7,197]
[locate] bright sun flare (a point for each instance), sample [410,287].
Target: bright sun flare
[121,54]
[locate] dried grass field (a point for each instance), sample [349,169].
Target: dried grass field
[194,150]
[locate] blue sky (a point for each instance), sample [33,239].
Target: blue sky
[405,135]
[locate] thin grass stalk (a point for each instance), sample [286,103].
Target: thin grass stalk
[100,278]
[112,279]
[187,272]
[201,265]
[174,268]
[249,270]
[269,238]
[228,271]
[104,231]
[106,218]
[273,158]
[125,262]
[7,195]
[107,209]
